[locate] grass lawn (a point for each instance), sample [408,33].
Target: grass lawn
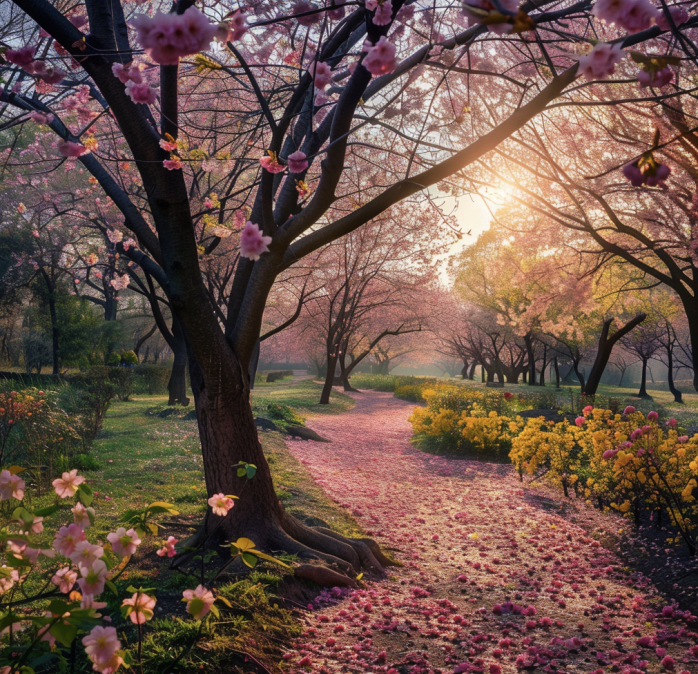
[145,458]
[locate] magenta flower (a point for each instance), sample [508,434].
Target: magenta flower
[383,14]
[629,410]
[70,149]
[678,14]
[65,579]
[22,57]
[168,550]
[252,242]
[631,15]
[579,421]
[380,58]
[41,117]
[587,409]
[141,93]
[322,74]
[636,434]
[297,162]
[652,416]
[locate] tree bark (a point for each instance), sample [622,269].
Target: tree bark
[604,350]
[530,353]
[557,372]
[643,381]
[329,380]
[678,396]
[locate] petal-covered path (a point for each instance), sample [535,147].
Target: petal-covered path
[491,581]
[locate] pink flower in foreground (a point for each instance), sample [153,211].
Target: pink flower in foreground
[86,553]
[127,74]
[682,439]
[580,421]
[67,486]
[636,434]
[70,149]
[101,646]
[384,13]
[631,15]
[93,578]
[658,80]
[168,37]
[671,423]
[67,539]
[22,57]
[81,515]
[252,244]
[337,10]
[678,14]
[168,550]
[270,163]
[588,409]
[380,58]
[629,410]
[297,162]
[11,486]
[235,27]
[652,416]
[220,503]
[600,62]
[141,93]
[41,117]
[322,74]
[303,6]
[173,164]
[142,607]
[609,454]
[124,543]
[199,601]
[65,579]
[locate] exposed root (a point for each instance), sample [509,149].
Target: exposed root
[280,540]
[367,558]
[378,553]
[323,576]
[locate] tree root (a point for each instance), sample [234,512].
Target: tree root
[323,576]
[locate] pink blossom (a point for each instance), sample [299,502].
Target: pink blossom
[682,439]
[67,486]
[631,15]
[142,607]
[93,578]
[252,244]
[168,550]
[168,37]
[678,14]
[384,13]
[220,503]
[474,19]
[127,74]
[70,149]
[269,163]
[668,662]
[579,421]
[629,410]
[303,6]
[65,579]
[601,61]
[297,162]
[199,601]
[173,164]
[101,646]
[652,416]
[81,515]
[609,454]
[41,117]
[50,75]
[380,58]
[11,486]
[588,409]
[168,146]
[67,539]
[22,57]
[124,543]
[322,74]
[141,93]
[337,10]
[655,79]
[636,434]
[86,553]
[236,26]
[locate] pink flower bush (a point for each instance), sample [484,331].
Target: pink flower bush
[102,646]
[11,486]
[380,58]
[322,74]
[580,421]
[68,148]
[221,504]
[141,93]
[124,543]
[67,486]
[168,37]
[631,15]
[141,607]
[600,62]
[65,579]
[199,601]
[168,550]
[588,410]
[252,244]
[67,539]
[652,416]
[297,162]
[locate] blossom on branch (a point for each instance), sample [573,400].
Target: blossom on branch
[220,503]
[252,244]
[631,15]
[322,74]
[380,58]
[297,162]
[102,646]
[601,61]
[140,93]
[199,601]
[68,148]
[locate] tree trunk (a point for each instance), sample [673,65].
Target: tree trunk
[604,350]
[530,353]
[55,330]
[580,376]
[643,382]
[678,396]
[464,370]
[541,380]
[110,307]
[177,386]
[471,373]
[557,372]
[329,380]
[254,363]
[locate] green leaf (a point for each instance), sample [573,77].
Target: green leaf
[85,495]
[112,587]
[49,510]
[215,611]
[58,607]
[224,600]
[242,472]
[269,558]
[251,471]
[244,544]
[16,470]
[248,559]
[126,657]
[130,514]
[64,633]
[23,514]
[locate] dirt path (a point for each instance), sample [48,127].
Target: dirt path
[471,540]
